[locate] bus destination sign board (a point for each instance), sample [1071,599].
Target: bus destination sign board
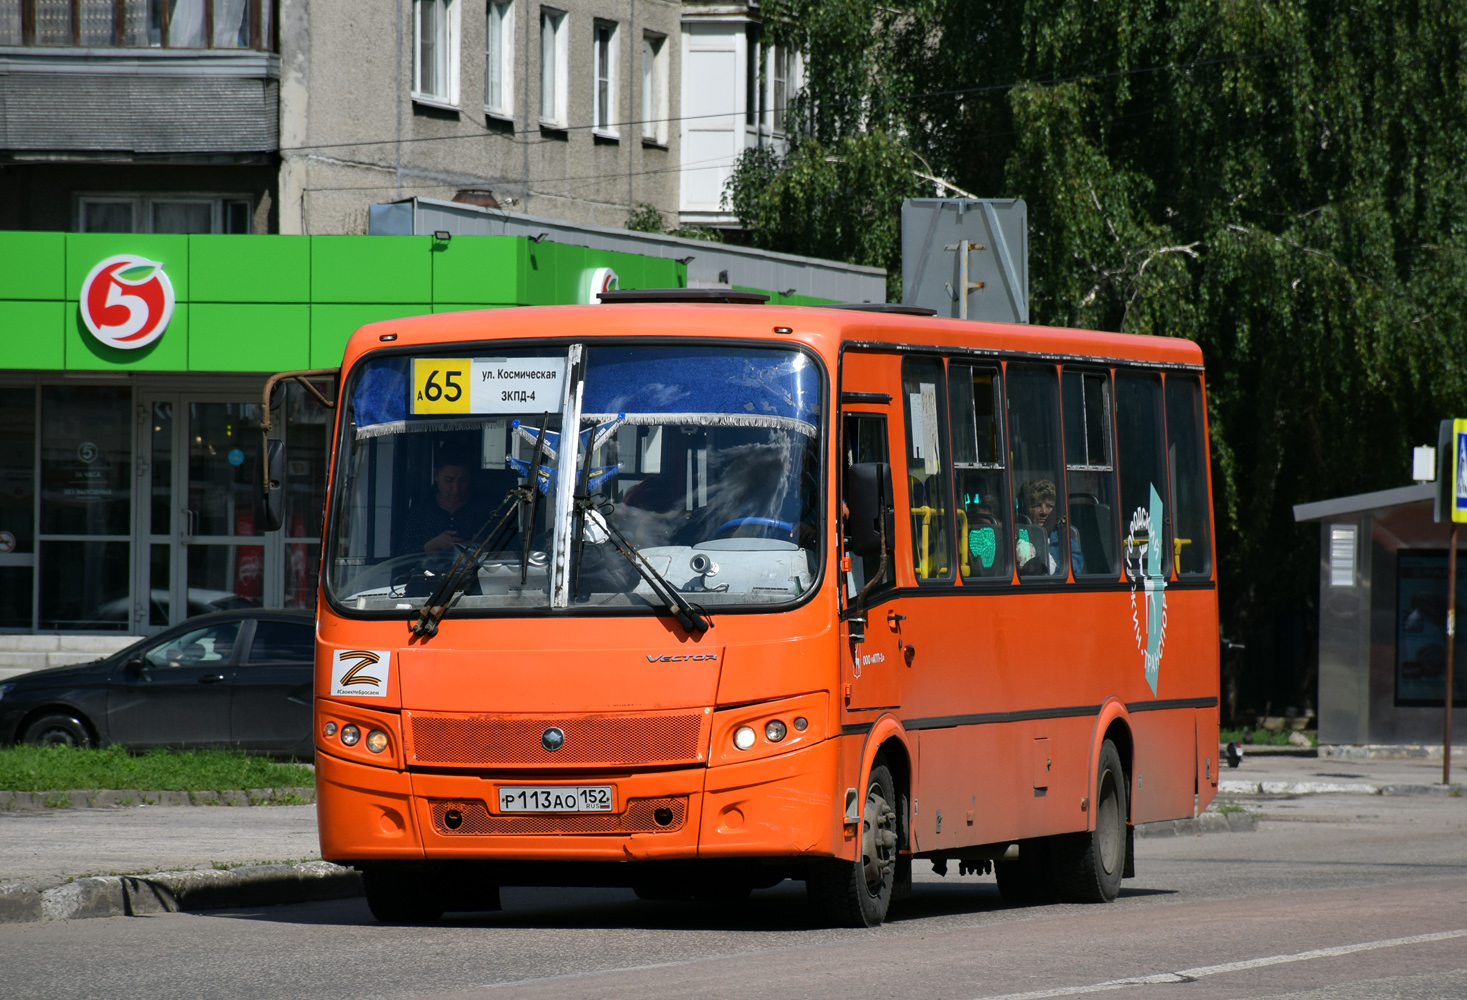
[487,385]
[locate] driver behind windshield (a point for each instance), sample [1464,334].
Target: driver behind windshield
[451,514]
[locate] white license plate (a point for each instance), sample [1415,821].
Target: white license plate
[555,798]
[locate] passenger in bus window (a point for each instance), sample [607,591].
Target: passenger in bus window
[1036,504]
[451,515]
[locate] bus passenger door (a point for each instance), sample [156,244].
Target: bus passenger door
[870,672]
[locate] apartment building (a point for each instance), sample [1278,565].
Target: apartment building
[736,91]
[292,116]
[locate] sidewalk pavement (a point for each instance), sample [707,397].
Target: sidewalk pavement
[1265,774]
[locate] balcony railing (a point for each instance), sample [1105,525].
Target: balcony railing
[140,24]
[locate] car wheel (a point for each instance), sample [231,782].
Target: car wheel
[57,730]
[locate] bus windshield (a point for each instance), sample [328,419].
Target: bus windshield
[701,461]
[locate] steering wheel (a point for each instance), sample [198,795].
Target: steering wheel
[729,527]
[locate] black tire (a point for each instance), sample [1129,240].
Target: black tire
[858,893]
[402,894]
[58,729]
[1029,880]
[1088,867]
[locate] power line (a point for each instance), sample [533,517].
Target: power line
[509,136]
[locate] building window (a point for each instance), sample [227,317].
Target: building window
[435,51]
[781,79]
[499,59]
[175,24]
[553,68]
[185,214]
[603,58]
[654,89]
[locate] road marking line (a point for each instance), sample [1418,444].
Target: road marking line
[1188,975]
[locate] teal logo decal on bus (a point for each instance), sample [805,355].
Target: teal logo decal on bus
[1145,565]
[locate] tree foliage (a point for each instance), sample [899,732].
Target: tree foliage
[1283,182]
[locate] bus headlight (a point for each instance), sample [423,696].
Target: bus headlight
[774,731]
[350,735]
[743,737]
[376,741]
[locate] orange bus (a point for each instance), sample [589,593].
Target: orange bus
[692,594]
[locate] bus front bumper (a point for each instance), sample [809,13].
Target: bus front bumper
[780,806]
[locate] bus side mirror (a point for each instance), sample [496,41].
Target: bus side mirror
[868,498]
[269,498]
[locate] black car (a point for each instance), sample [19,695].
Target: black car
[231,679]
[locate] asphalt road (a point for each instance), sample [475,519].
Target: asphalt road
[1334,896]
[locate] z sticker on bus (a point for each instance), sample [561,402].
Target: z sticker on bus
[360,673]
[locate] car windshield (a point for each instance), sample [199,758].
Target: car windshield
[705,460]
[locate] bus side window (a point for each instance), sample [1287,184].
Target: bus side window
[863,439]
[981,480]
[922,384]
[1034,444]
[1187,459]
[1142,463]
[1090,475]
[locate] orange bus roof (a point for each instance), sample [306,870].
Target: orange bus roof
[823,329]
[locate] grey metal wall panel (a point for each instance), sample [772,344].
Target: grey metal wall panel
[120,112]
[931,274]
[1344,640]
[744,266]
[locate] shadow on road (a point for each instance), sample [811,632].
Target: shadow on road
[781,908]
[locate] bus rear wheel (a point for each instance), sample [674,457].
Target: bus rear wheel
[402,894]
[858,893]
[1088,866]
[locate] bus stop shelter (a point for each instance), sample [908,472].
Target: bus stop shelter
[1382,617]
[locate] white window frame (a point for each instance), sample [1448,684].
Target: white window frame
[142,207]
[503,11]
[448,38]
[554,72]
[781,59]
[604,72]
[654,112]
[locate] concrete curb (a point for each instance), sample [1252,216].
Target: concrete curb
[112,798]
[1236,787]
[172,892]
[1208,822]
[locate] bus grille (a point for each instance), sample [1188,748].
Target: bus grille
[514,740]
[473,819]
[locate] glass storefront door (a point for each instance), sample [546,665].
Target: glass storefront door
[125,508]
[204,552]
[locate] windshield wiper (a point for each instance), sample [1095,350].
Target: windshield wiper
[690,618]
[455,581]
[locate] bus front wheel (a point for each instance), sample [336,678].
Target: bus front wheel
[402,893]
[858,893]
[1088,866]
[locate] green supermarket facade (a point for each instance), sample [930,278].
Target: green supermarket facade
[124,503]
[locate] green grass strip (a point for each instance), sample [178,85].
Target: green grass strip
[45,769]
[1263,738]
